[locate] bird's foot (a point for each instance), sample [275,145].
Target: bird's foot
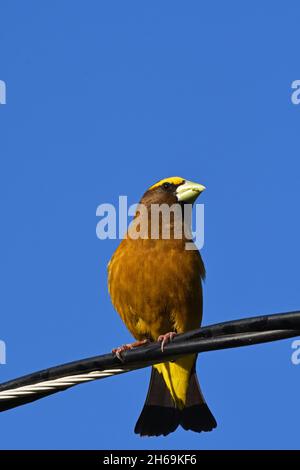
[127,347]
[165,339]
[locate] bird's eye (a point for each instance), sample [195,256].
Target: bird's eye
[166,185]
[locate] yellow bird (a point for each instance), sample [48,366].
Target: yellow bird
[155,286]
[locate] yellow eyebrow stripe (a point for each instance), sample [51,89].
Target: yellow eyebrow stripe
[173,180]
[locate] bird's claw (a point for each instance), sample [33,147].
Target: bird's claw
[118,351]
[165,339]
[127,347]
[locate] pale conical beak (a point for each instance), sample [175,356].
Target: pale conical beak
[189,191]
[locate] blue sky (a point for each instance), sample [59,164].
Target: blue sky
[105,98]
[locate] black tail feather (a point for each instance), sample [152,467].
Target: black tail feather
[160,415]
[157,421]
[196,415]
[197,418]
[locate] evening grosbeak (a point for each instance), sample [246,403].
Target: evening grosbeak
[155,286]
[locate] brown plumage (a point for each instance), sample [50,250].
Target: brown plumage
[155,286]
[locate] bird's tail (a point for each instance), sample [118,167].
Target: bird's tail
[161,416]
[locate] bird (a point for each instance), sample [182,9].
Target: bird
[155,285]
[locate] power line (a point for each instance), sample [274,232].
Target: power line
[231,334]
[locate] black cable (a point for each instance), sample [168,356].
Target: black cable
[231,334]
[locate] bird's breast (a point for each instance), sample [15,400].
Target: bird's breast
[155,286]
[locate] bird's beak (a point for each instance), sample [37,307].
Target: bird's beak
[189,191]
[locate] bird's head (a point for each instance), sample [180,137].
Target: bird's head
[173,190]
[162,214]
